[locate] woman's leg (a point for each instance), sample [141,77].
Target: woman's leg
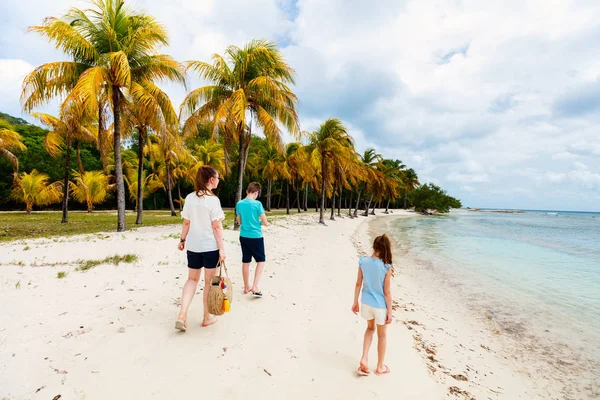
[381,346]
[188,293]
[364,361]
[208,319]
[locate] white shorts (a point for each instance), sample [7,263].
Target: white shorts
[378,314]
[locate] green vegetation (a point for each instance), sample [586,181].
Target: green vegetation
[61,274]
[432,197]
[116,259]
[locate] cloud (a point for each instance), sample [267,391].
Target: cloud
[501,97]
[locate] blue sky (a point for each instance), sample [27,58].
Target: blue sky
[498,102]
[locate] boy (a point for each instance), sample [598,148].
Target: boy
[250,215]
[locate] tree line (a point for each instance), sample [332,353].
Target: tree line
[116,119]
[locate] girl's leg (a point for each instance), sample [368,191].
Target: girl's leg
[381,346]
[209,319]
[188,293]
[364,361]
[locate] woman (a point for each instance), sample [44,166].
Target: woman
[202,236]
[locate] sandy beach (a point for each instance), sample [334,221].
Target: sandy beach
[108,332]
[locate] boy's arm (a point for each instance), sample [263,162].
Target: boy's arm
[357,287]
[387,293]
[238,217]
[263,219]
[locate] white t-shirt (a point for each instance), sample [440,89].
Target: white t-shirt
[202,211]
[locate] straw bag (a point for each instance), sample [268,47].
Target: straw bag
[220,292]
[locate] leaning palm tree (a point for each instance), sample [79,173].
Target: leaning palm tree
[73,125]
[10,141]
[90,187]
[328,144]
[33,189]
[109,47]
[247,86]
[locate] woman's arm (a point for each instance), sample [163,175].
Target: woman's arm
[357,287]
[387,293]
[218,232]
[185,228]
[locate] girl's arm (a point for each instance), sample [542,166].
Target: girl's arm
[184,232]
[359,281]
[218,232]
[387,293]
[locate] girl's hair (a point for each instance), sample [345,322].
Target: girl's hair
[202,177]
[383,248]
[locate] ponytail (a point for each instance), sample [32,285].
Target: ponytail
[383,248]
[202,177]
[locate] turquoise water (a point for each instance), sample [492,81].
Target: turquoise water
[537,273]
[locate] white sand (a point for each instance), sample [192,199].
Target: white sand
[108,332]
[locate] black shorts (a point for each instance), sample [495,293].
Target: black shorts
[253,247]
[207,259]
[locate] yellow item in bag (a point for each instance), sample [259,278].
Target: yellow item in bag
[226,306]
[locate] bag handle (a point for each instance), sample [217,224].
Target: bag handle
[221,265]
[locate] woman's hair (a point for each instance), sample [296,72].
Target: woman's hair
[202,177]
[383,248]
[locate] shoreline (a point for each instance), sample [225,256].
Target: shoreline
[470,340]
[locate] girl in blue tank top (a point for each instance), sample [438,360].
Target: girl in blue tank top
[374,281]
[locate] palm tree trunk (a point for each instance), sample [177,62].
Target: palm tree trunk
[317,202]
[268,194]
[387,207]
[287,197]
[140,189]
[373,211]
[101,137]
[357,203]
[306,198]
[179,194]
[170,189]
[350,208]
[118,164]
[279,201]
[79,164]
[321,220]
[368,205]
[298,196]
[332,216]
[405,202]
[340,201]
[65,200]
[241,164]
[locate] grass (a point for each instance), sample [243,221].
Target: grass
[61,274]
[84,265]
[43,224]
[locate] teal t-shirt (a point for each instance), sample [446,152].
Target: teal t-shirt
[250,211]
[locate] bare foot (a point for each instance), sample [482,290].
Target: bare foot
[246,290]
[181,324]
[363,369]
[382,371]
[208,322]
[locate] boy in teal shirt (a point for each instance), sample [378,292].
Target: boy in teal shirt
[251,216]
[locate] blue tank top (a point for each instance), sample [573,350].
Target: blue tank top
[374,271]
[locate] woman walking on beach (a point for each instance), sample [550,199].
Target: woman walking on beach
[202,237]
[374,277]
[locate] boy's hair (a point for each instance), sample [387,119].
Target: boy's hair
[202,177]
[383,248]
[253,187]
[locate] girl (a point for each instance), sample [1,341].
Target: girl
[374,276]
[202,236]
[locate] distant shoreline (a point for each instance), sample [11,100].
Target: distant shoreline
[495,211]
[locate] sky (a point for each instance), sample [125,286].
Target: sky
[498,102]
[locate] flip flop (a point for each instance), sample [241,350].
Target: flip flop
[180,325]
[361,372]
[386,371]
[256,294]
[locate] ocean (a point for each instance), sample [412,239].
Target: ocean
[536,274]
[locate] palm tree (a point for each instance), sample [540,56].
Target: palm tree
[33,189]
[411,182]
[248,86]
[297,170]
[372,177]
[393,180]
[209,152]
[151,182]
[268,163]
[151,109]
[72,126]
[90,188]
[110,47]
[10,141]
[327,144]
